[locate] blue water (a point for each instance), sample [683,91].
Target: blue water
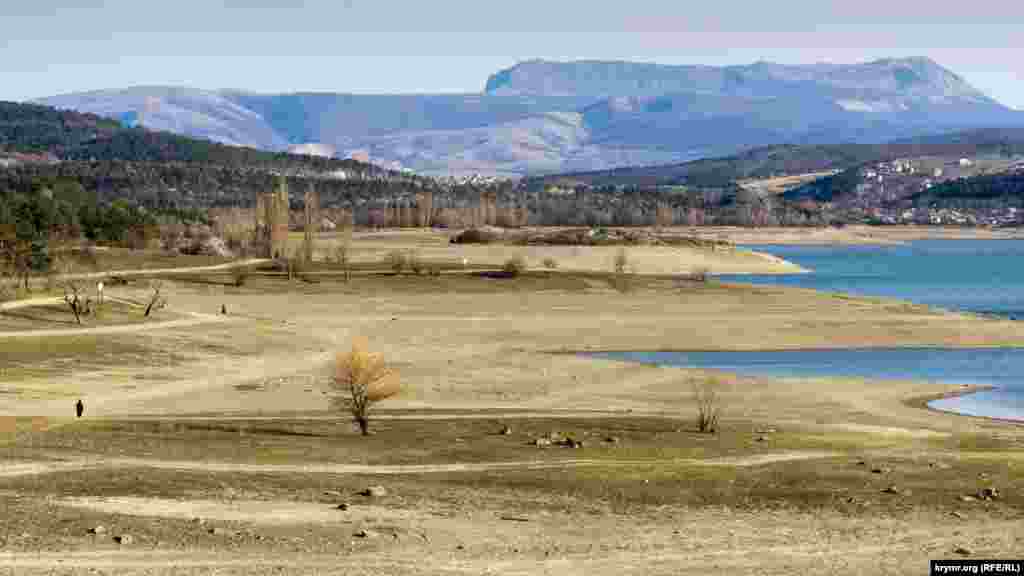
[982,276]
[1000,367]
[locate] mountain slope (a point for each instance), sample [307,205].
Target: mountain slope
[543,117]
[73,136]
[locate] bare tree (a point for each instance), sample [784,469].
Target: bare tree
[397,261]
[364,379]
[709,404]
[620,265]
[73,292]
[342,251]
[156,299]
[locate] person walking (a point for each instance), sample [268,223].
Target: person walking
[79,408]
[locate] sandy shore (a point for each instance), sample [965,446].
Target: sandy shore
[433,246]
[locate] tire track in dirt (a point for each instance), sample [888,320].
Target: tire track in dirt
[17,469]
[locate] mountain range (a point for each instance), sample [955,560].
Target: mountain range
[541,117]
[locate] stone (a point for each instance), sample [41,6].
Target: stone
[98,530]
[961,551]
[966,498]
[612,439]
[861,463]
[957,515]
[891,490]
[879,470]
[124,539]
[506,430]
[374,492]
[988,494]
[341,506]
[542,442]
[761,439]
[365,534]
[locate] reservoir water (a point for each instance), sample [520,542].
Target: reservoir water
[982,276]
[999,367]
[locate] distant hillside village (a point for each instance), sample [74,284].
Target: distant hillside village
[909,191]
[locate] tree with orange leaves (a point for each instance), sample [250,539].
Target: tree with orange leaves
[364,379]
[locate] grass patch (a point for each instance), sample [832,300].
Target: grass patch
[57,356]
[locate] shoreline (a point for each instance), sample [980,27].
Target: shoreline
[924,402]
[921,402]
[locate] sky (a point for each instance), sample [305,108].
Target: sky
[51,47]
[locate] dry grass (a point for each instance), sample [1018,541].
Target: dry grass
[475,344]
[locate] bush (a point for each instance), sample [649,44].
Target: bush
[397,261]
[239,275]
[621,262]
[413,261]
[700,274]
[709,404]
[475,236]
[514,266]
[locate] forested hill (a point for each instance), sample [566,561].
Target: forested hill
[768,161]
[73,136]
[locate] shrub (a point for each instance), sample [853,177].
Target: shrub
[514,266]
[239,275]
[363,378]
[475,236]
[709,404]
[413,261]
[397,261]
[700,274]
[621,262]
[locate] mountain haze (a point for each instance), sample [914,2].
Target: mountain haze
[544,117]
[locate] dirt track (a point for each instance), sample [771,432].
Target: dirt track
[37,468]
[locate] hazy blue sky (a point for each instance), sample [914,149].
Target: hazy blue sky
[49,47]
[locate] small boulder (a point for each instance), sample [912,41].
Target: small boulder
[968,498]
[341,506]
[961,551]
[612,439]
[761,439]
[124,539]
[506,430]
[892,490]
[365,534]
[98,530]
[374,492]
[988,494]
[542,442]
